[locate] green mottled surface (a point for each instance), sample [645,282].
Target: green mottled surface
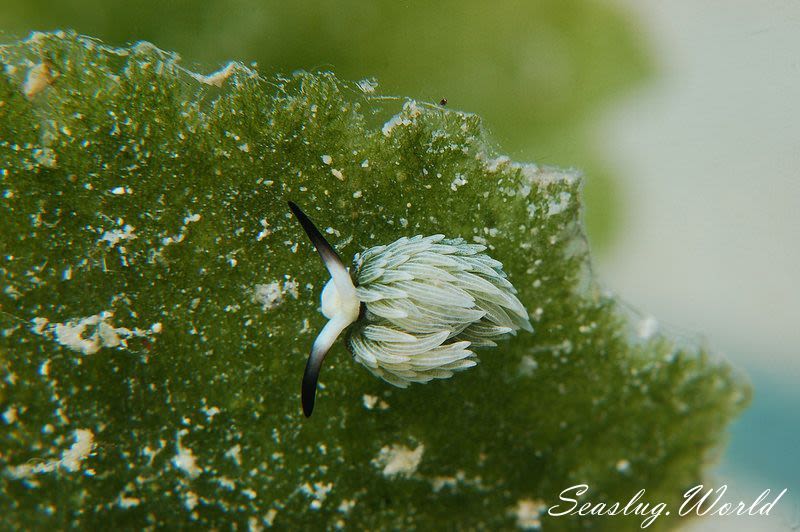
[539,72]
[133,192]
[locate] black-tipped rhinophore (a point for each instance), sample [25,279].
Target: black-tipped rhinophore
[308,391]
[332,329]
[321,346]
[325,250]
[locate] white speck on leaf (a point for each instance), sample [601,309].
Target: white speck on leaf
[71,458]
[218,78]
[87,335]
[10,415]
[39,324]
[318,492]
[527,366]
[370,401]
[38,79]
[459,181]
[528,513]
[235,454]
[367,86]
[398,460]
[185,460]
[127,502]
[270,295]
[166,241]
[264,232]
[291,287]
[226,483]
[114,236]
[84,441]
[190,500]
[406,117]
[12,292]
[492,165]
[559,206]
[46,157]
[210,412]
[346,505]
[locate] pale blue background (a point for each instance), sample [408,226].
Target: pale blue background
[709,152]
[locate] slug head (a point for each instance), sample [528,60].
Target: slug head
[339,304]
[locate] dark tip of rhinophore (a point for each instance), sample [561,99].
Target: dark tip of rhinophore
[309,386]
[323,247]
[329,257]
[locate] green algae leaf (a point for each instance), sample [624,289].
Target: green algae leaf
[158,303]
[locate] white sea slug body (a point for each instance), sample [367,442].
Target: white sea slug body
[418,308]
[428,302]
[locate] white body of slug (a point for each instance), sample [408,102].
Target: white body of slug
[429,302]
[418,308]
